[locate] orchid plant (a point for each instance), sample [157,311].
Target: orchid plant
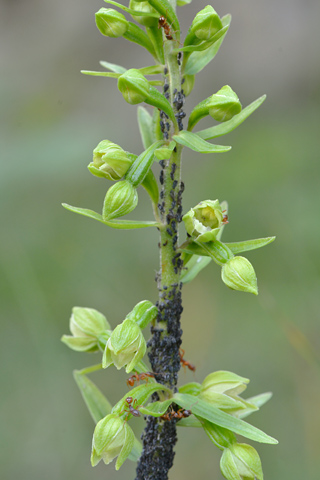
[216,404]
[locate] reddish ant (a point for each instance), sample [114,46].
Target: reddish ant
[166,27]
[181,413]
[136,377]
[184,362]
[131,408]
[225,218]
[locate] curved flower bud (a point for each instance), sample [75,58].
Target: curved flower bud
[120,199]
[241,462]
[221,106]
[133,86]
[86,325]
[143,6]
[111,23]
[204,221]
[206,23]
[109,161]
[239,274]
[224,104]
[112,438]
[126,346]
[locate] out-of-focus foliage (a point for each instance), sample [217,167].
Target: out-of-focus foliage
[51,119]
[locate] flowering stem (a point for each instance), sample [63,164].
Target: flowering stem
[160,436]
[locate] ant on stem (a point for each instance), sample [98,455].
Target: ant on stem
[166,27]
[184,362]
[181,413]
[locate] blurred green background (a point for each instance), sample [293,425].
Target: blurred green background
[50,260]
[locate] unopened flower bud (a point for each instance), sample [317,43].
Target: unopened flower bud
[143,6]
[206,23]
[111,23]
[109,161]
[126,346]
[224,104]
[238,274]
[143,313]
[86,325]
[241,462]
[112,438]
[133,86]
[204,221]
[120,200]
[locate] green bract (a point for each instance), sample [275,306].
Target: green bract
[111,23]
[239,274]
[204,221]
[86,325]
[109,161]
[126,346]
[120,199]
[112,438]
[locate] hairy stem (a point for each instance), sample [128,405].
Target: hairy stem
[159,437]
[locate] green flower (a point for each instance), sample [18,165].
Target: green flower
[126,346]
[109,161]
[112,438]
[241,462]
[203,222]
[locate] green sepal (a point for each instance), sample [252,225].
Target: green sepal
[141,394]
[193,388]
[156,409]
[137,35]
[145,127]
[193,267]
[258,401]
[197,144]
[96,402]
[238,247]
[136,451]
[119,224]
[181,3]
[112,67]
[80,344]
[221,437]
[227,127]
[197,61]
[164,153]
[205,410]
[126,449]
[155,35]
[132,12]
[141,166]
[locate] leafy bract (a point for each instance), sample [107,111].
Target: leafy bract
[119,224]
[198,144]
[96,402]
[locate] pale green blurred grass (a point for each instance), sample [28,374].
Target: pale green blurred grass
[51,260]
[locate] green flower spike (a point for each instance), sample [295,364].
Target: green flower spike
[111,23]
[203,222]
[126,346]
[112,438]
[120,200]
[239,274]
[109,161]
[241,462]
[86,325]
[221,106]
